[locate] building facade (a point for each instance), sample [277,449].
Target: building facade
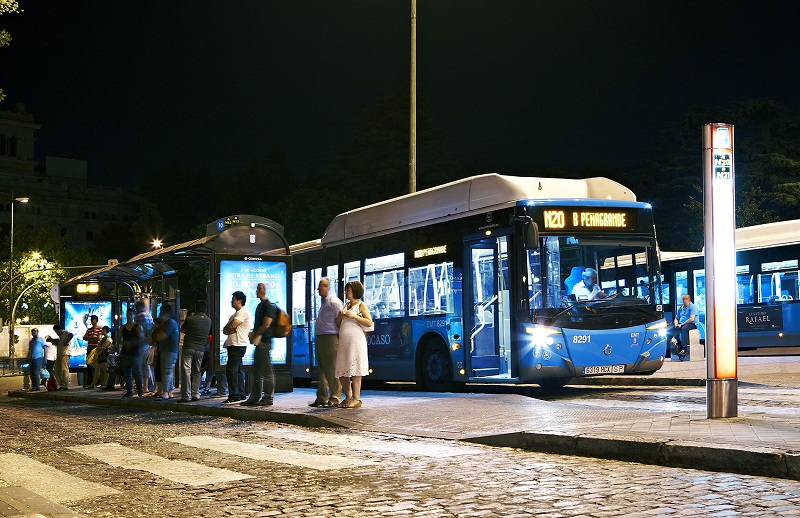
[59,190]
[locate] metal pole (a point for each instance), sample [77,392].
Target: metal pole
[11,293]
[412,147]
[21,199]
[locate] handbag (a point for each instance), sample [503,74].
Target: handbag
[365,328]
[44,374]
[93,357]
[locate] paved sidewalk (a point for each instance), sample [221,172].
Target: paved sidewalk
[763,440]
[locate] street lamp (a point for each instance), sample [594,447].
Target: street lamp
[157,244]
[22,199]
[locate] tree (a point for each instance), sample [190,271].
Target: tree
[6,6]
[45,249]
[767,161]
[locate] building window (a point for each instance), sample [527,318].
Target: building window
[2,144]
[12,148]
[89,235]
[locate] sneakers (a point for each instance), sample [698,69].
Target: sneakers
[195,399]
[264,402]
[183,400]
[231,401]
[248,403]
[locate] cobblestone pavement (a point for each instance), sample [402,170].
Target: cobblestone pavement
[388,474]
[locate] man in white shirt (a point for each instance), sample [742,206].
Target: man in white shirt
[327,342]
[588,289]
[238,331]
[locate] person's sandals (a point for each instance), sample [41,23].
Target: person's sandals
[343,403]
[354,403]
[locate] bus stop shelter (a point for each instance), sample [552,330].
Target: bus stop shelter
[229,241]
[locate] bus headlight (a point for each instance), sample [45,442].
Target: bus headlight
[541,336]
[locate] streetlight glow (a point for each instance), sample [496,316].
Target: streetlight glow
[157,244]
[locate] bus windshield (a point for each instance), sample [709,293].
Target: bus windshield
[590,282]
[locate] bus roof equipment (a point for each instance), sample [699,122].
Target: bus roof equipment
[475,194]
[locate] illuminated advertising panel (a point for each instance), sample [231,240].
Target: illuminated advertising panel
[244,274]
[77,314]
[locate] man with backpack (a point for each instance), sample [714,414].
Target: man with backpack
[261,337]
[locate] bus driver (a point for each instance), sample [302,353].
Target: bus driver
[588,289]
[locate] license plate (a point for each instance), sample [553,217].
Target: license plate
[604,369]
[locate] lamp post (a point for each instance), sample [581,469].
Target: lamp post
[22,199]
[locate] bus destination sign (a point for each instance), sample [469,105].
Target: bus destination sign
[588,219]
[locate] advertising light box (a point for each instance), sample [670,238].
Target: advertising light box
[244,274]
[77,314]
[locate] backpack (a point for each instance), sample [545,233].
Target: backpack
[281,326]
[51,384]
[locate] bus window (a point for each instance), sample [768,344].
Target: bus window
[778,286]
[384,285]
[333,278]
[700,294]
[744,285]
[431,289]
[299,298]
[352,272]
[681,285]
[534,279]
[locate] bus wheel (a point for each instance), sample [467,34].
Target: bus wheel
[553,383]
[437,371]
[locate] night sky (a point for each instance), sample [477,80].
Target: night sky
[515,84]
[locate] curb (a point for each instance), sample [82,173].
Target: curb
[756,461]
[763,462]
[234,412]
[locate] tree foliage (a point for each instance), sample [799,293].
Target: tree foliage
[767,169]
[39,254]
[6,6]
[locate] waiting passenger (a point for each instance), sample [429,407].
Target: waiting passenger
[588,289]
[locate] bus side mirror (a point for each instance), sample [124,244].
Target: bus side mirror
[531,236]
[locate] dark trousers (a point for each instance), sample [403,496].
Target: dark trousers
[132,371]
[51,367]
[35,372]
[235,373]
[684,333]
[263,375]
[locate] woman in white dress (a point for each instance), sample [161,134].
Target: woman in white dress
[351,358]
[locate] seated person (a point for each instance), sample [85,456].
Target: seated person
[684,321]
[588,289]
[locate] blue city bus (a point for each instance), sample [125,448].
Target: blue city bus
[767,294]
[472,282]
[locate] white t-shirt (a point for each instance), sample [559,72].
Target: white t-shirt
[241,335]
[581,292]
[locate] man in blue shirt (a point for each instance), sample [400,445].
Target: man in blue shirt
[329,389]
[685,318]
[36,358]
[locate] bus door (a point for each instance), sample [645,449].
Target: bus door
[486,310]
